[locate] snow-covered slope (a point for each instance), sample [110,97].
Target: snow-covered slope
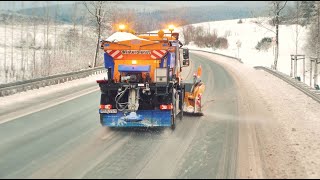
[17,48]
[249,34]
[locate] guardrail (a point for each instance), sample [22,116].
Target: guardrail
[314,94]
[20,86]
[238,59]
[12,88]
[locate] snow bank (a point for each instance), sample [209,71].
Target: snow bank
[249,34]
[284,118]
[122,36]
[47,90]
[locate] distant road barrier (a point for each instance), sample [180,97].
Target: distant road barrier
[15,87]
[238,59]
[20,86]
[314,94]
[311,92]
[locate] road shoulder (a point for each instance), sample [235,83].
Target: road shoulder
[279,129]
[24,103]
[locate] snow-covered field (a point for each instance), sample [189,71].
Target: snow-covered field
[63,56]
[249,34]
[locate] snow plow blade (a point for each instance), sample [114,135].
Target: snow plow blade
[142,118]
[193,99]
[193,95]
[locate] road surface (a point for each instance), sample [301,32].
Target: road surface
[67,141]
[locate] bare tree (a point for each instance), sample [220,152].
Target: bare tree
[276,9]
[188,33]
[33,72]
[318,41]
[55,30]
[84,18]
[12,74]
[26,67]
[307,10]
[74,36]
[22,72]
[298,15]
[47,38]
[6,69]
[313,44]
[98,10]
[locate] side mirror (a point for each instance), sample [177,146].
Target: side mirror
[185,53]
[185,62]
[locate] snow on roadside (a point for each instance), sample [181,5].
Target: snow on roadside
[35,93]
[10,49]
[249,34]
[285,119]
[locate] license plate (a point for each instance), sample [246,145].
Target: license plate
[108,111]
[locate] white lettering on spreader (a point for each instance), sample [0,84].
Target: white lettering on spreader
[135,52]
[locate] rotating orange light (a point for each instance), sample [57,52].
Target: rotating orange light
[122,27]
[171,27]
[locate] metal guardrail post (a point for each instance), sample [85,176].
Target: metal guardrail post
[303,88]
[238,59]
[294,65]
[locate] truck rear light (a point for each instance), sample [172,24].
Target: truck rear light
[108,106]
[102,81]
[166,107]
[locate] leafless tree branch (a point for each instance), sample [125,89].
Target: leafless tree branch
[85,4]
[283,6]
[261,25]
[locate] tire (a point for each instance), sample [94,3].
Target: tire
[181,103]
[173,119]
[101,119]
[173,112]
[173,126]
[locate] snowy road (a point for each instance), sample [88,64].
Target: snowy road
[231,140]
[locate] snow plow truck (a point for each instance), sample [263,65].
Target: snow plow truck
[144,87]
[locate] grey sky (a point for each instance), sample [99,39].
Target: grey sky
[16,5]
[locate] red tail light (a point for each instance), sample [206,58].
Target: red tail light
[108,106]
[166,107]
[101,81]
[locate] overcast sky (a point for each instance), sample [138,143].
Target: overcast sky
[147,5]
[16,5]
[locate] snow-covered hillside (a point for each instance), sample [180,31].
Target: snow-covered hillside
[30,60]
[249,34]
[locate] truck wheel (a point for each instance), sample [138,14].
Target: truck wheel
[173,112]
[181,103]
[101,119]
[173,126]
[173,119]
